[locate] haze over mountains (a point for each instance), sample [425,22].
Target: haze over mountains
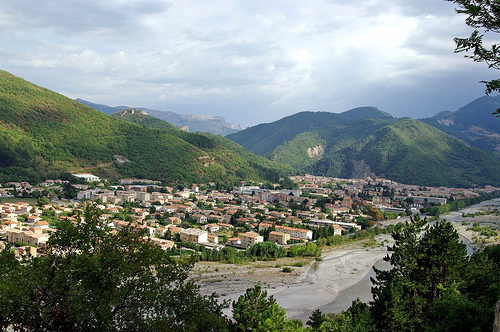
[43,134]
[203,123]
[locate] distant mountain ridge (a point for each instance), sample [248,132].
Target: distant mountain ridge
[366,142]
[203,123]
[473,123]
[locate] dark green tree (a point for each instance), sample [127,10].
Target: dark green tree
[69,190]
[43,200]
[355,319]
[254,311]
[484,17]
[431,271]
[92,280]
[316,319]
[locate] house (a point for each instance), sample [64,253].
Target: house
[179,215]
[298,233]
[212,238]
[174,220]
[279,237]
[9,216]
[24,208]
[250,239]
[23,235]
[200,218]
[337,230]
[234,241]
[161,231]
[9,224]
[212,228]
[33,219]
[87,177]
[216,217]
[42,224]
[224,225]
[164,244]
[194,235]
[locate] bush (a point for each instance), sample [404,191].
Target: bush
[287,269]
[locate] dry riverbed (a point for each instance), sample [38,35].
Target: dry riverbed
[330,284]
[223,279]
[309,286]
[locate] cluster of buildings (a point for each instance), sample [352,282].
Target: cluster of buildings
[205,216]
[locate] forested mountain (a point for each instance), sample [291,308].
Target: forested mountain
[372,143]
[264,138]
[409,151]
[43,134]
[202,123]
[474,123]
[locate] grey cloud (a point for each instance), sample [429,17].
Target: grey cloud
[73,17]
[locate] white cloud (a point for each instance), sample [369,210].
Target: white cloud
[268,58]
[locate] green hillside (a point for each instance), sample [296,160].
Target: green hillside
[473,123]
[264,138]
[225,148]
[43,133]
[368,142]
[412,152]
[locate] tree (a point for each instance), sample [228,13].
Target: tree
[254,311]
[432,272]
[316,319]
[355,319]
[484,17]
[42,201]
[91,280]
[69,190]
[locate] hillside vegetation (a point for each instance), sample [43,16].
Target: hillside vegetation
[264,138]
[43,134]
[204,123]
[474,123]
[371,143]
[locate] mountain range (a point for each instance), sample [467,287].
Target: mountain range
[368,142]
[192,122]
[473,123]
[44,134]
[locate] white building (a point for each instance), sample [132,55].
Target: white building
[87,177]
[194,235]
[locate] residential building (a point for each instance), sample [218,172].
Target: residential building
[250,239]
[194,235]
[279,237]
[297,233]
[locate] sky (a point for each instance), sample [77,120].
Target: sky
[249,61]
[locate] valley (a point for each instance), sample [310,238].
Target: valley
[303,207]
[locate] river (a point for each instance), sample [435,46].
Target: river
[344,275]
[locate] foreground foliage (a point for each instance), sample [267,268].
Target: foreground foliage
[432,286]
[91,280]
[255,311]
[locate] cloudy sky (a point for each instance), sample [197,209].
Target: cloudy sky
[250,61]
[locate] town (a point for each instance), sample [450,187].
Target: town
[184,218]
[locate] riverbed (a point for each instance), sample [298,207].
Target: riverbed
[344,275]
